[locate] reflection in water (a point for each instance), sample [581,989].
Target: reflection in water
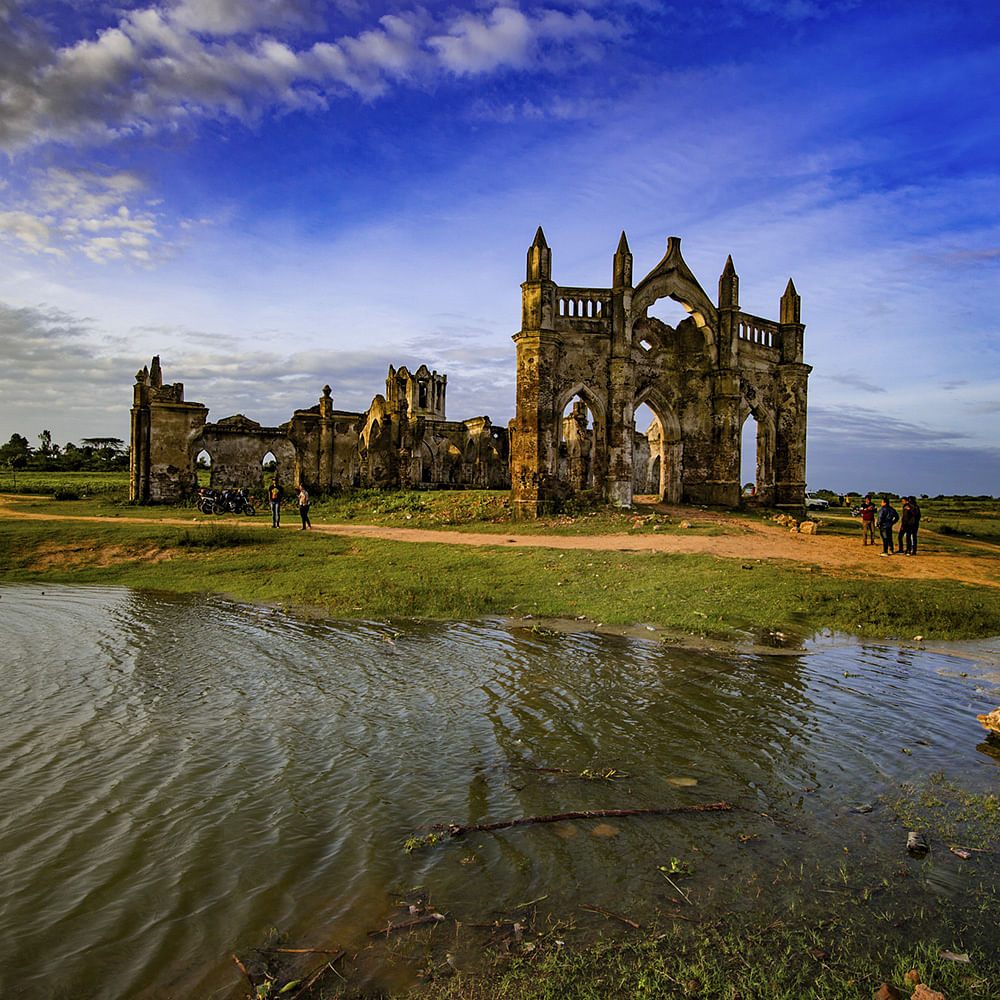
[183,774]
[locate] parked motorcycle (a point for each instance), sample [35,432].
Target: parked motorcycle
[225,502]
[234,502]
[207,500]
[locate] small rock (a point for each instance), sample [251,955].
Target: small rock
[808,527]
[990,721]
[915,843]
[888,992]
[685,524]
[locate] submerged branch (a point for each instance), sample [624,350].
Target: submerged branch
[456,830]
[608,913]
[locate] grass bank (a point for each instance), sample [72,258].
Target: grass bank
[698,595]
[827,927]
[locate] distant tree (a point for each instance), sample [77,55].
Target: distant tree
[113,444]
[46,443]
[16,447]
[14,454]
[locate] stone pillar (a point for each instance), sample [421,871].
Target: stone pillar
[620,419]
[790,438]
[326,441]
[138,461]
[533,483]
[729,309]
[793,379]
[724,485]
[790,328]
[619,430]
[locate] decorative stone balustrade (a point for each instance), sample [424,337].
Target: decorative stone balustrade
[758,331]
[582,303]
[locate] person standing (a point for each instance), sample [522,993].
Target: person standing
[902,520]
[274,499]
[887,517]
[908,525]
[868,522]
[304,507]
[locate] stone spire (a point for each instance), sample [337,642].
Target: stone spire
[622,265]
[729,286]
[539,259]
[791,305]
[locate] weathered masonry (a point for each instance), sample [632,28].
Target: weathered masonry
[402,440]
[702,379]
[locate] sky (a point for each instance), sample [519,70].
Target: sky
[275,195]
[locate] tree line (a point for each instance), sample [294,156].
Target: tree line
[103,454]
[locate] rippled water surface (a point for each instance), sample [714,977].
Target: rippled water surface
[181,775]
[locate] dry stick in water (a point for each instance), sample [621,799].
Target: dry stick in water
[455,830]
[608,913]
[312,979]
[389,928]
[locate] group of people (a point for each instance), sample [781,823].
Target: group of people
[274,494]
[884,518]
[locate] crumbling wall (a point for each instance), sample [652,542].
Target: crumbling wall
[389,445]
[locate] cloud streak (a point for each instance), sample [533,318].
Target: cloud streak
[160,66]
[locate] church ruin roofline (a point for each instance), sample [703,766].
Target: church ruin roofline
[674,279]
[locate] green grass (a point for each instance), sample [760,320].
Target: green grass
[490,511]
[949,814]
[843,945]
[90,485]
[370,578]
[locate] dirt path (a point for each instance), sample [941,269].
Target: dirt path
[832,553]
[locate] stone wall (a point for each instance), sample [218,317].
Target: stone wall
[403,443]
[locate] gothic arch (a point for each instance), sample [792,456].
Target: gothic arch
[764,474]
[599,453]
[672,279]
[668,451]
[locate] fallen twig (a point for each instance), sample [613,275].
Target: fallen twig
[312,979]
[608,913]
[456,830]
[389,928]
[243,969]
[298,951]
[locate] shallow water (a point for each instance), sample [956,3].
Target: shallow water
[184,774]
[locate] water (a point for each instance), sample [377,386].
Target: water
[183,775]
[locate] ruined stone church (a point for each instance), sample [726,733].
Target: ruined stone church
[401,440]
[599,351]
[587,360]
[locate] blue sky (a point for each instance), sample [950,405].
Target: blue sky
[273,195]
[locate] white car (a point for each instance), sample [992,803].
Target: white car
[814,502]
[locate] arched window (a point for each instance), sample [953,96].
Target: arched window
[203,469]
[576,445]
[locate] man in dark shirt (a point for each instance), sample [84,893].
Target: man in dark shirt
[887,517]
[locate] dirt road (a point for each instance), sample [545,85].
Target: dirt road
[748,540]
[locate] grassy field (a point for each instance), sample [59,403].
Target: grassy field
[369,578]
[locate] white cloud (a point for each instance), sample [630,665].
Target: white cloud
[102,215]
[32,232]
[475,44]
[159,66]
